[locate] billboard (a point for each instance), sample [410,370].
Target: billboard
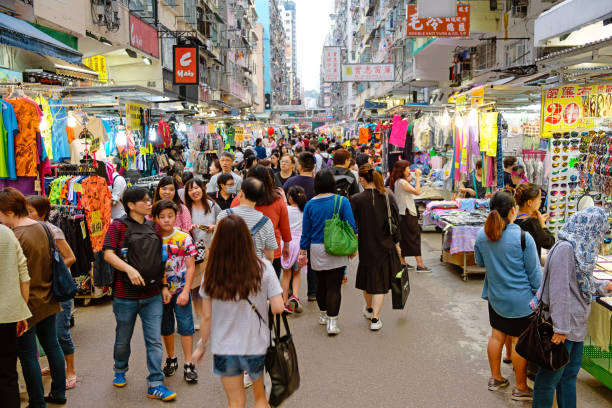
[458,26]
[332,62]
[186,65]
[368,72]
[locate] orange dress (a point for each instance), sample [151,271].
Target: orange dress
[96,200]
[26,153]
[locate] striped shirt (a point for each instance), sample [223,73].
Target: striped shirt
[264,238]
[114,240]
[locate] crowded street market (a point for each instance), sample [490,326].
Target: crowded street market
[390,203]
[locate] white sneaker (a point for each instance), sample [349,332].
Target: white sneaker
[247,381]
[322,318]
[376,325]
[196,326]
[332,326]
[366,314]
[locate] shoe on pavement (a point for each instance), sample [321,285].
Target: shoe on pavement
[332,326]
[312,298]
[119,380]
[423,269]
[171,366]
[196,326]
[161,392]
[367,313]
[376,324]
[519,395]
[288,309]
[495,385]
[247,380]
[296,304]
[190,373]
[322,318]
[55,400]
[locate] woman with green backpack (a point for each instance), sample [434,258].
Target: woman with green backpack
[328,231]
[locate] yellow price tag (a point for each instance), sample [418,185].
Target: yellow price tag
[96,224]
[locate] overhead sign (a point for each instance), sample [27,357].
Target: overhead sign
[368,72]
[458,26]
[133,115]
[332,64]
[143,36]
[186,65]
[98,64]
[574,106]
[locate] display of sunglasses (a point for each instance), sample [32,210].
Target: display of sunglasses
[570,213]
[557,221]
[573,184]
[564,164]
[573,177]
[575,142]
[557,192]
[559,178]
[558,149]
[559,206]
[607,240]
[563,185]
[556,158]
[554,214]
[559,171]
[560,142]
[573,197]
[571,206]
[557,135]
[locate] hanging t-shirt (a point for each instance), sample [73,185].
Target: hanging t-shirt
[89,140]
[488,133]
[59,135]
[179,245]
[11,128]
[364,135]
[26,153]
[96,200]
[46,133]
[163,130]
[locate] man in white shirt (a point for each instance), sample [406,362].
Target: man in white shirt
[117,190]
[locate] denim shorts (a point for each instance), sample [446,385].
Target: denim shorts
[231,366]
[184,318]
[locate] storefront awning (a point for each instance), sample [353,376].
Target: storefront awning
[77,71]
[18,33]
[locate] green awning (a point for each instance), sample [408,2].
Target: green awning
[68,39]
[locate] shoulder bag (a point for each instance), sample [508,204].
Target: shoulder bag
[281,360]
[338,235]
[392,224]
[63,285]
[535,343]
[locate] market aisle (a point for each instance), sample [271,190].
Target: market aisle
[430,355]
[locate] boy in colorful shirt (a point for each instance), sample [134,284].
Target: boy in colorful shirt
[180,267]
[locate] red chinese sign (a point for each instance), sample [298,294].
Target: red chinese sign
[458,26]
[186,64]
[143,36]
[331,64]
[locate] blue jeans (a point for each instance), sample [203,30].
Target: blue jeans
[184,318]
[62,325]
[150,311]
[234,365]
[563,381]
[28,354]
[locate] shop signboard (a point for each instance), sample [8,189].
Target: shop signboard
[368,72]
[143,36]
[133,115]
[186,65]
[458,26]
[239,133]
[574,106]
[97,63]
[6,75]
[332,64]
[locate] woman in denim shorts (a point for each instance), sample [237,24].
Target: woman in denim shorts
[236,286]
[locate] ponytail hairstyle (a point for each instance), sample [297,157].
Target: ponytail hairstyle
[525,192]
[501,203]
[372,176]
[298,196]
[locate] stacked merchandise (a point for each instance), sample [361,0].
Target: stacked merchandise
[205,146]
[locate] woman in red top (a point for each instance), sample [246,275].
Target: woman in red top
[273,206]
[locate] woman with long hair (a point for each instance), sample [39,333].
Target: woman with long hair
[410,231]
[328,268]
[204,211]
[513,277]
[382,255]
[272,205]
[33,238]
[568,293]
[237,284]
[167,189]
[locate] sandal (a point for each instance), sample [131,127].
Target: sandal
[45,371]
[71,382]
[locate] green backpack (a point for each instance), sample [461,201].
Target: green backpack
[338,235]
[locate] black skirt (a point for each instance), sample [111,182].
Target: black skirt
[375,277]
[511,326]
[410,235]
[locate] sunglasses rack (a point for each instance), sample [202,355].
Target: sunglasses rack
[564,189]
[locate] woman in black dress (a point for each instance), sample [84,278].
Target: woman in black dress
[379,249]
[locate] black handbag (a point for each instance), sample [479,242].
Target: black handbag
[393,227]
[535,344]
[63,287]
[281,360]
[400,288]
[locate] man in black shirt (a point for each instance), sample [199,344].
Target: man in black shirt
[305,179]
[226,191]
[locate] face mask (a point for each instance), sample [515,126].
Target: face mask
[231,190]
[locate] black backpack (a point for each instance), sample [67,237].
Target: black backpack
[343,184]
[142,249]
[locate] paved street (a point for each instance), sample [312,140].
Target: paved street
[432,354]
